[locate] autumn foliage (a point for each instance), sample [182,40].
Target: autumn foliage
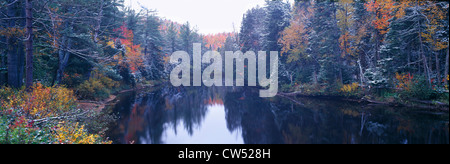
[133,57]
[215,41]
[384,11]
[42,102]
[32,117]
[350,89]
[404,81]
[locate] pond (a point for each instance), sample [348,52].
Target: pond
[232,115]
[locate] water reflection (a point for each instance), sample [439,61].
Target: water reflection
[238,115]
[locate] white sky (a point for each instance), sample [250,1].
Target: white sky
[210,16]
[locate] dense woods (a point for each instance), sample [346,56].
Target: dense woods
[378,47]
[389,50]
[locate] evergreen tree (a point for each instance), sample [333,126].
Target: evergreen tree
[186,36]
[324,42]
[277,19]
[153,48]
[252,30]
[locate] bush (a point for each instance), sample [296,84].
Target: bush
[73,133]
[97,88]
[418,88]
[41,102]
[350,90]
[35,117]
[72,80]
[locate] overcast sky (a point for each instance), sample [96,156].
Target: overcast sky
[210,16]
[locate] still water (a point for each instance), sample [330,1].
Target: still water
[220,115]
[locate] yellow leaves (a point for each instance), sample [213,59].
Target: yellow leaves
[435,15]
[350,89]
[110,44]
[344,15]
[76,134]
[97,87]
[42,101]
[45,102]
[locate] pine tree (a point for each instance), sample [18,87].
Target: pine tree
[186,36]
[277,19]
[324,42]
[153,43]
[252,28]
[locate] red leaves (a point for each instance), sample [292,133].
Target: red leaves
[133,58]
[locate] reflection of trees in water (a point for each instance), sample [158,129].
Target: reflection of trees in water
[325,121]
[152,113]
[252,114]
[145,118]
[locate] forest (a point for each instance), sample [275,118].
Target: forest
[56,53]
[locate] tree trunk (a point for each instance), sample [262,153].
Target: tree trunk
[409,58]
[14,52]
[63,59]
[377,48]
[438,69]
[3,66]
[315,80]
[29,44]
[98,23]
[446,68]
[426,68]
[63,55]
[361,73]
[430,64]
[3,75]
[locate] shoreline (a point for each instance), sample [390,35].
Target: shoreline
[428,105]
[98,106]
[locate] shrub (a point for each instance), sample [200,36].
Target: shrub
[73,133]
[97,88]
[72,80]
[350,89]
[404,81]
[41,102]
[418,88]
[35,117]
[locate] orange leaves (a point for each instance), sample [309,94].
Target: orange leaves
[295,37]
[12,31]
[42,101]
[133,57]
[216,41]
[294,40]
[166,59]
[404,81]
[345,23]
[384,11]
[344,44]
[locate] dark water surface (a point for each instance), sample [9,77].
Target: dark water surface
[222,115]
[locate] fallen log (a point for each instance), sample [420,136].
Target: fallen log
[290,94]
